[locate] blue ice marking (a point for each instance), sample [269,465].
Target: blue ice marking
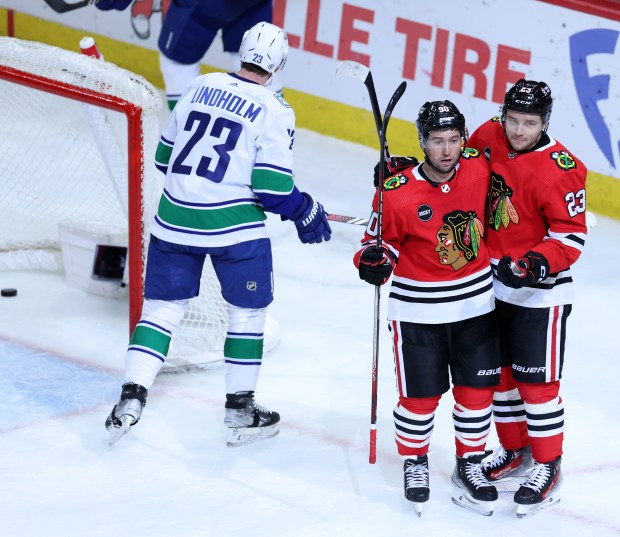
[36,385]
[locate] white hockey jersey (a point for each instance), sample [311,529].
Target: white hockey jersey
[227,152]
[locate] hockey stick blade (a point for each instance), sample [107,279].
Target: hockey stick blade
[361,72]
[61,6]
[354,69]
[355,220]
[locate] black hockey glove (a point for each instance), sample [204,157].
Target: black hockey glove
[376,265]
[311,221]
[393,166]
[529,269]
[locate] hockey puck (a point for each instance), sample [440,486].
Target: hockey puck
[8,292]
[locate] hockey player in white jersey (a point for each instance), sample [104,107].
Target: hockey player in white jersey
[227,154]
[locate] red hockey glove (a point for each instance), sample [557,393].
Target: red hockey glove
[529,269]
[376,265]
[393,166]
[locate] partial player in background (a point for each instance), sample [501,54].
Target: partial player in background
[536,229]
[440,307]
[227,154]
[188,30]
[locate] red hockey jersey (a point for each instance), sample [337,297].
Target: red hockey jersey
[436,232]
[536,201]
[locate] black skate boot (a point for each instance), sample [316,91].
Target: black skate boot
[472,490]
[542,488]
[417,481]
[503,465]
[248,422]
[126,413]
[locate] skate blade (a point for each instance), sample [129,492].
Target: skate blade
[417,505]
[528,510]
[116,433]
[240,436]
[460,498]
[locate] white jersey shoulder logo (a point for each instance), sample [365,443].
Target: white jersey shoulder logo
[281,100]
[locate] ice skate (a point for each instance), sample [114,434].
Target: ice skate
[248,422]
[417,481]
[542,488]
[126,413]
[471,489]
[506,468]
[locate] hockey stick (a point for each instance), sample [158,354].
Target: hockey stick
[376,328]
[348,219]
[61,6]
[361,72]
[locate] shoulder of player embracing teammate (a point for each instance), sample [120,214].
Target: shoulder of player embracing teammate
[474,165]
[559,163]
[557,150]
[485,133]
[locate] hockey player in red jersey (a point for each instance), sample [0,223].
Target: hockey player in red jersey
[440,303]
[535,230]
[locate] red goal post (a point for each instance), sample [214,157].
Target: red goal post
[80,88]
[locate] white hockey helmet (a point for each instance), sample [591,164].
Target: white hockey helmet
[265,45]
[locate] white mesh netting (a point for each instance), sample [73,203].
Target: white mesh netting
[65,165]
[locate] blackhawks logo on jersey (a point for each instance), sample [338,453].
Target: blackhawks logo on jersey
[394,182]
[563,159]
[501,210]
[470,152]
[459,238]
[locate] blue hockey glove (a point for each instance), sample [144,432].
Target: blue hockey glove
[529,269]
[107,5]
[393,166]
[376,265]
[311,222]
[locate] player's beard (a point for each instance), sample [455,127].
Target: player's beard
[523,143]
[440,167]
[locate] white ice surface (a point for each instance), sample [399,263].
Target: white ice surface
[173,475]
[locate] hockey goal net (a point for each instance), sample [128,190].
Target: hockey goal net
[79,139]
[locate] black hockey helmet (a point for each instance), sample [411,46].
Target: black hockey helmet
[529,97]
[439,115]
